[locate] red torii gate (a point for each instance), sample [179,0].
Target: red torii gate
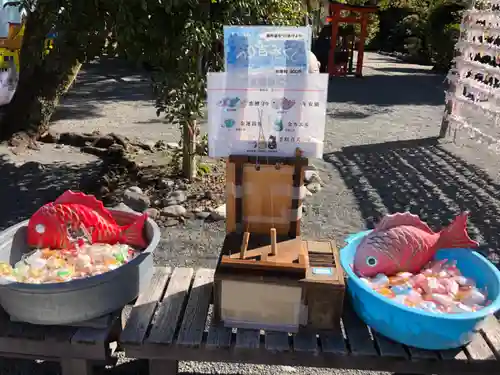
[358,14]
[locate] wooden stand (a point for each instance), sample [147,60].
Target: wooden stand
[264,277]
[77,348]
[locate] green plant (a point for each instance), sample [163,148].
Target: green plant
[443,24]
[203,169]
[177,39]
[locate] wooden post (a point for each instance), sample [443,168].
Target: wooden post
[335,15]
[274,246]
[244,244]
[361,46]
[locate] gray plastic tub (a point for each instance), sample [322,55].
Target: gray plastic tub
[77,300]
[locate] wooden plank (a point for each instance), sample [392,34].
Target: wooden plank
[169,313]
[45,341]
[420,354]
[93,336]
[389,348]
[247,338]
[277,342]
[195,316]
[491,333]
[458,354]
[305,341]
[144,308]
[333,342]
[358,335]
[219,336]
[76,367]
[92,343]
[479,349]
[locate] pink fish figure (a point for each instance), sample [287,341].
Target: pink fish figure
[49,227]
[402,242]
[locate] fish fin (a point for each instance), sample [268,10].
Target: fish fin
[353,237]
[132,234]
[398,219]
[455,235]
[71,197]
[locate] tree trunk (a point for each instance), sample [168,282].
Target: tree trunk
[42,80]
[189,133]
[36,98]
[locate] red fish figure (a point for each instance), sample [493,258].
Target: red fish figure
[73,212]
[403,243]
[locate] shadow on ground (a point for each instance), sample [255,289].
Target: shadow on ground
[422,177]
[26,187]
[107,79]
[389,90]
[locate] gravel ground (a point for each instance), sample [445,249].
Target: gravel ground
[380,156]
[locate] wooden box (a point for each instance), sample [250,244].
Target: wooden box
[264,278]
[323,287]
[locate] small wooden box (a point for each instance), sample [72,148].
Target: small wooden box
[283,301]
[323,287]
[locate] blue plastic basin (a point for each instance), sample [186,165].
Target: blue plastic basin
[418,328]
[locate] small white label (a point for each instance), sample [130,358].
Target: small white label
[322,271]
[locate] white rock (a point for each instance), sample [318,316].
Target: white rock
[166,183]
[173,146]
[135,189]
[136,201]
[314,187]
[177,197]
[123,207]
[311,176]
[219,213]
[174,211]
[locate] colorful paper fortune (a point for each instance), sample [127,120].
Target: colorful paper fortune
[439,288]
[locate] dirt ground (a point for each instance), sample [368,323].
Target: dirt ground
[380,156]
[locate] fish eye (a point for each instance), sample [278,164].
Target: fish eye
[371,261]
[40,228]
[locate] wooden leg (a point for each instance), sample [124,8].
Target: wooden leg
[76,367]
[161,367]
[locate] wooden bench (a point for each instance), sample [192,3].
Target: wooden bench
[77,349]
[172,322]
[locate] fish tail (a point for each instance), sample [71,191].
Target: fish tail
[133,233]
[455,235]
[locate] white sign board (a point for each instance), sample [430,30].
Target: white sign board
[266,114]
[275,49]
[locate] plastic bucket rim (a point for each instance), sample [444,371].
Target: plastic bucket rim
[87,281]
[483,313]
